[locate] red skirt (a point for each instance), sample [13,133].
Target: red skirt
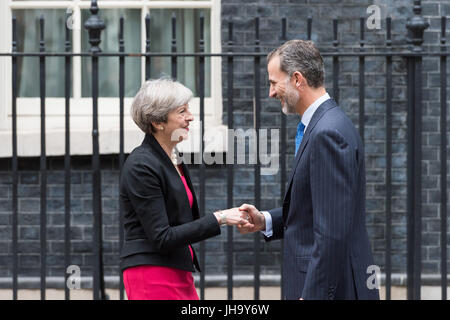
[149,282]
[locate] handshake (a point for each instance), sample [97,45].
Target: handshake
[246,218]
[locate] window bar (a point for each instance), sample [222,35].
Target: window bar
[443,162]
[362,85]
[416,27]
[283,159]
[96,180]
[418,174]
[202,145]
[67,179]
[147,46]
[174,45]
[257,121]
[230,180]
[15,175]
[121,138]
[414,224]
[309,27]
[410,182]
[95,25]
[335,61]
[388,267]
[43,160]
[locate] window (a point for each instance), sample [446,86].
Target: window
[54,12]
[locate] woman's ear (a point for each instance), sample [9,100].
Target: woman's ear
[158,126]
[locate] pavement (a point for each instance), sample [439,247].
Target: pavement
[212,293]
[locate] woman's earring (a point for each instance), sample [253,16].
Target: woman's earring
[162,128]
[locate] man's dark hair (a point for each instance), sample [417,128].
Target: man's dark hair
[301,56]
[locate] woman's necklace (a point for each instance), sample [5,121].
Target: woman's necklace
[173,156]
[174,159]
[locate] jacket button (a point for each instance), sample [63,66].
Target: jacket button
[285,228]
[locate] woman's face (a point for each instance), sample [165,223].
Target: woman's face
[177,126]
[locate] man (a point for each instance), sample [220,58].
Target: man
[322,221]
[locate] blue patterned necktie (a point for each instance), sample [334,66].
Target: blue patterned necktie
[299,136]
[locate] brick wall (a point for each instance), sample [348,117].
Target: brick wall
[349,13]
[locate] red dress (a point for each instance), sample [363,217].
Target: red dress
[149,282]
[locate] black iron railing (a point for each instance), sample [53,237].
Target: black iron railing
[94,25]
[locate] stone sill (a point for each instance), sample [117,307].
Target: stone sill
[81,141]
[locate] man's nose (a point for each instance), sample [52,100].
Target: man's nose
[272,93]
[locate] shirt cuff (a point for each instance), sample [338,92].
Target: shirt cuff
[269,230]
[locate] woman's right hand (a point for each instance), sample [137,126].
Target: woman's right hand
[233,217]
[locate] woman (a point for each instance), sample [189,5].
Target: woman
[161,215]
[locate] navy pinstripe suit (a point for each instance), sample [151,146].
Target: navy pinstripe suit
[322,221]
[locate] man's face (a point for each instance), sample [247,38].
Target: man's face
[281,87]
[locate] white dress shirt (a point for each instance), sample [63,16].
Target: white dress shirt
[306,118]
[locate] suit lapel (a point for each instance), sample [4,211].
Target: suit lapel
[151,141]
[324,107]
[195,210]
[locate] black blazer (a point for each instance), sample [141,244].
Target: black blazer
[326,246]
[159,224]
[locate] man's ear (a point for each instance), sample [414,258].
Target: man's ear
[298,79]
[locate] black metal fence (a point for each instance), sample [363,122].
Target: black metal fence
[413,56]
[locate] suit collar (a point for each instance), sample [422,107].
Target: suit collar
[195,209]
[321,110]
[309,112]
[324,107]
[151,142]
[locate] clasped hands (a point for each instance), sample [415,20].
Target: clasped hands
[246,218]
